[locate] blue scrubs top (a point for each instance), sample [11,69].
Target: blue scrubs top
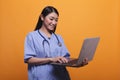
[34,48]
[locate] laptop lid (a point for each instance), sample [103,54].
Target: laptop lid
[88,49]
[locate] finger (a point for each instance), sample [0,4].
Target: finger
[60,61]
[86,59]
[64,60]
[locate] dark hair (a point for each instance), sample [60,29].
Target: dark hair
[47,10]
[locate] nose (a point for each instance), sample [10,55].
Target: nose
[54,22]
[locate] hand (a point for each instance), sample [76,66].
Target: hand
[85,62]
[59,59]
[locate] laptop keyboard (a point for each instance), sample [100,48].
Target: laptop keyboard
[71,62]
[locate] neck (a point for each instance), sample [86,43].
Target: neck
[48,33]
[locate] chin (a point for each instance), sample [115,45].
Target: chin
[51,30]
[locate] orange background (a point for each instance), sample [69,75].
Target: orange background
[78,19]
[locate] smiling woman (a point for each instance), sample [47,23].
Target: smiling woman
[42,47]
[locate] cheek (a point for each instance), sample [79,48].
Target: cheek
[47,21]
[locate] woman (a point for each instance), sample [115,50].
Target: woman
[43,46]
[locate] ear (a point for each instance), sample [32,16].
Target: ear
[42,18]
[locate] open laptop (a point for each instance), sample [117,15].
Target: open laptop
[87,51]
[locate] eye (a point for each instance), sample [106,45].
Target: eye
[51,19]
[56,20]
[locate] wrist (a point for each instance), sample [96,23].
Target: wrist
[50,59]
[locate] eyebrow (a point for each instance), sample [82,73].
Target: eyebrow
[53,17]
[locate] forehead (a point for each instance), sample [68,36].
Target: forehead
[53,14]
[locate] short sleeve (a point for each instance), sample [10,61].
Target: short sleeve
[29,50]
[65,51]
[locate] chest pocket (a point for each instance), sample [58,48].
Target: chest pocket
[56,50]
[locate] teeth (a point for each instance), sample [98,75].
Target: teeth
[52,25]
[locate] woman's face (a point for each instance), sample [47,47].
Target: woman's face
[50,21]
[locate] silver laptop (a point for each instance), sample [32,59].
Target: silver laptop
[87,51]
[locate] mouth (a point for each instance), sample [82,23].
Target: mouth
[52,26]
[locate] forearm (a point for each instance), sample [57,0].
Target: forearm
[35,60]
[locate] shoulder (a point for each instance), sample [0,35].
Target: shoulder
[32,33]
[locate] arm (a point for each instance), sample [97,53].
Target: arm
[35,60]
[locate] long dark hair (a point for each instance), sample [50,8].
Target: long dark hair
[47,10]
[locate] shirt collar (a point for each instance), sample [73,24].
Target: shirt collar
[45,36]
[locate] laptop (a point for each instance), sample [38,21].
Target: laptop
[87,51]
